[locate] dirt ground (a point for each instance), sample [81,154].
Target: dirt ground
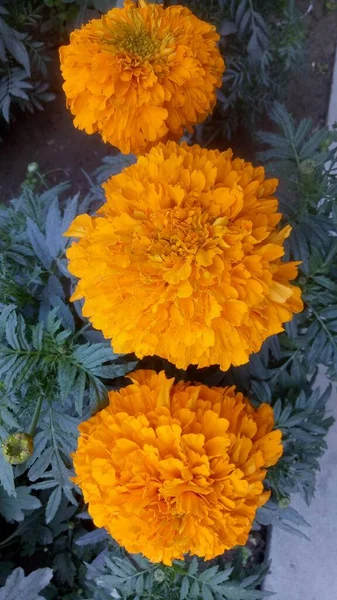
[309,91]
[50,139]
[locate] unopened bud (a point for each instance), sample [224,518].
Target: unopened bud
[284,502]
[18,447]
[159,575]
[307,166]
[32,168]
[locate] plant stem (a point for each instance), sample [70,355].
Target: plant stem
[36,416]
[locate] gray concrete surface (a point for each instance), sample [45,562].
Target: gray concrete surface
[332,112]
[302,569]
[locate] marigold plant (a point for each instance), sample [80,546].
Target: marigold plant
[141,73]
[184,259]
[170,468]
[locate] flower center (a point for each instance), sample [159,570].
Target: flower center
[185,236]
[137,41]
[141,41]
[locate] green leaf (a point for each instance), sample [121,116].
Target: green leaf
[53,229]
[39,244]
[18,586]
[78,392]
[53,504]
[13,508]
[193,566]
[64,568]
[184,589]
[11,335]
[206,593]
[6,475]
[94,355]
[66,374]
[14,45]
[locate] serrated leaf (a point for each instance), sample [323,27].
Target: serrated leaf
[5,313]
[184,588]
[66,374]
[14,45]
[92,537]
[11,334]
[40,464]
[53,228]
[39,244]
[6,475]
[53,504]
[78,392]
[193,566]
[37,336]
[13,507]
[19,586]
[94,355]
[64,568]
[206,593]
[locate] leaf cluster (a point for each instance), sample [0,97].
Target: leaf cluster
[133,576]
[48,354]
[23,61]
[263,45]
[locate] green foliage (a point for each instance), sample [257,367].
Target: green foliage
[45,349]
[17,585]
[15,509]
[133,576]
[304,425]
[262,43]
[22,62]
[308,202]
[65,15]
[284,372]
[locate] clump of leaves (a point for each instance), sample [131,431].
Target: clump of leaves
[49,357]
[262,43]
[23,71]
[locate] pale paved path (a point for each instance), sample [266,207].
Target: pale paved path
[302,569]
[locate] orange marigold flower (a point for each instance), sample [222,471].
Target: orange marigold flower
[141,74]
[184,261]
[170,468]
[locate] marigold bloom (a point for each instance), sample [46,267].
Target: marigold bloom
[170,468]
[184,261]
[141,74]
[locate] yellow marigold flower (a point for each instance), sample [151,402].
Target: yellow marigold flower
[170,468]
[141,74]
[184,261]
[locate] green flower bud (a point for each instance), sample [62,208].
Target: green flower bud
[307,166]
[245,554]
[284,502]
[32,168]
[18,447]
[159,575]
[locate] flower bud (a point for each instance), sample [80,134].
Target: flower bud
[32,168]
[18,447]
[159,575]
[307,166]
[284,502]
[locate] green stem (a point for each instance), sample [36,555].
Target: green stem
[36,416]
[323,325]
[80,331]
